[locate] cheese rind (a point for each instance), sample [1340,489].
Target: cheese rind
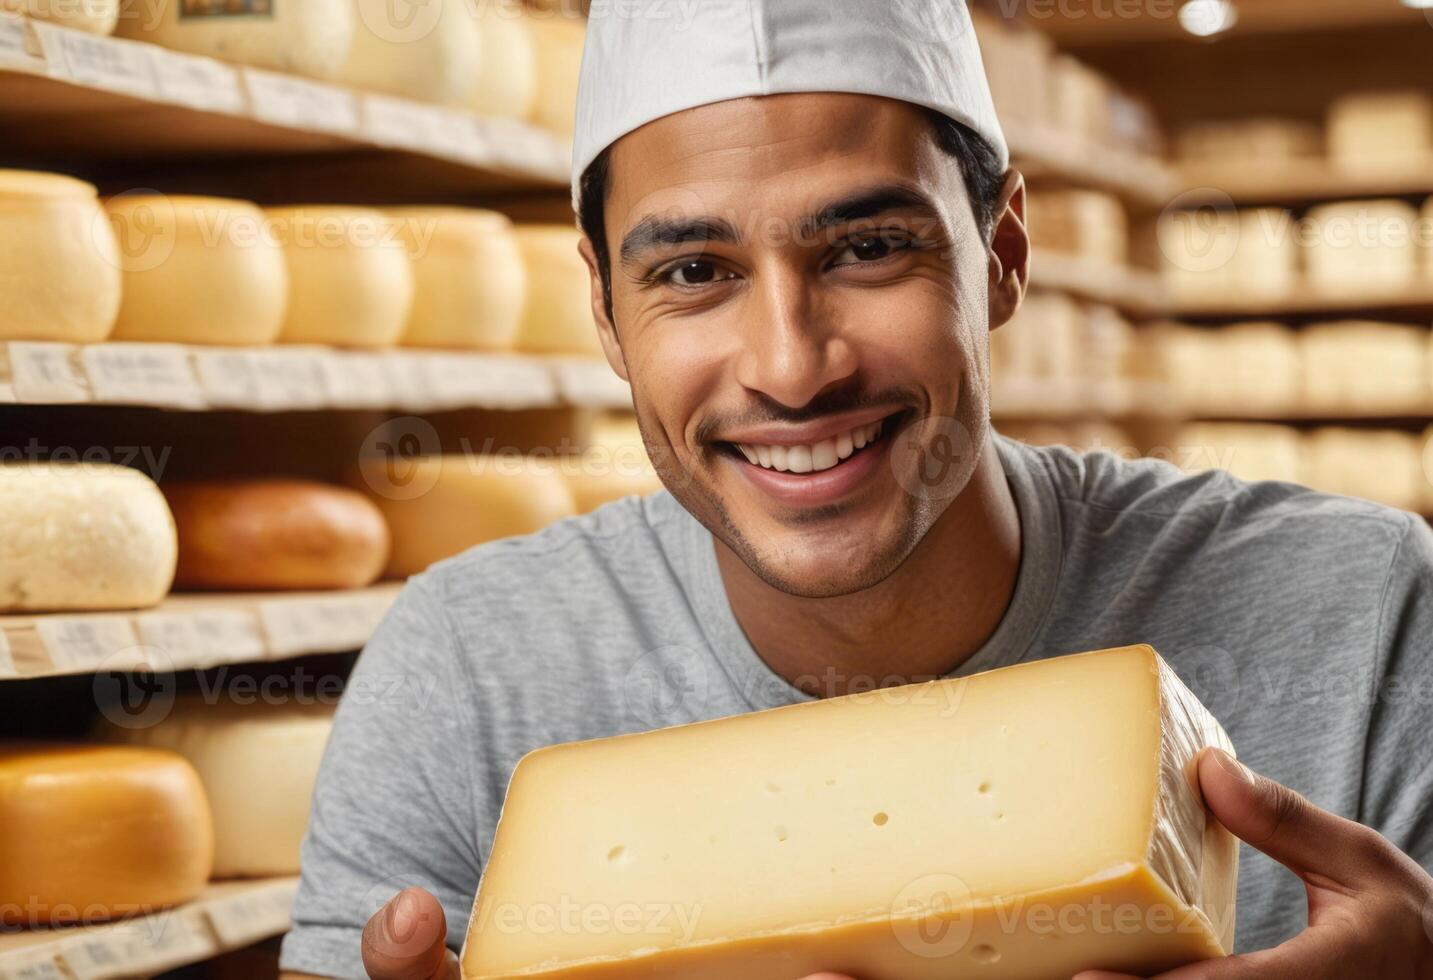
[1002,823]
[557,44]
[557,315]
[506,84]
[309,38]
[1365,367]
[431,52]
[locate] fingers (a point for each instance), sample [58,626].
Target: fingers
[407,940]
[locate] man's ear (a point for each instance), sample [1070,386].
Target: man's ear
[606,330]
[1009,252]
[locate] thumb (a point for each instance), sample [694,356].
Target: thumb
[407,940]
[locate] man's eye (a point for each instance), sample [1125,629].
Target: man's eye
[871,249]
[694,273]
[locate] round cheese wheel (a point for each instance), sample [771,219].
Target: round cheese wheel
[447,504]
[97,832]
[469,277]
[614,466]
[349,280]
[94,16]
[77,536]
[557,317]
[198,270]
[506,84]
[258,763]
[559,42]
[310,38]
[427,51]
[1385,466]
[59,263]
[275,534]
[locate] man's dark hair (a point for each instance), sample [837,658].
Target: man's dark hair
[979,165]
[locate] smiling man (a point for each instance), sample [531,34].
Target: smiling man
[801,230]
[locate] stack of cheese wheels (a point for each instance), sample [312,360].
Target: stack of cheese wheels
[1043,339]
[1379,132]
[557,315]
[1250,142]
[1365,368]
[559,41]
[275,534]
[1085,224]
[1384,466]
[447,504]
[1079,99]
[1106,346]
[58,260]
[349,279]
[310,38]
[1359,245]
[99,832]
[1249,451]
[470,283]
[198,270]
[82,536]
[430,51]
[615,465]
[507,79]
[1177,356]
[1254,369]
[94,16]
[258,763]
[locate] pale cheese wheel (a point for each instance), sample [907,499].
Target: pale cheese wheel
[1266,260]
[1249,451]
[615,465]
[93,16]
[470,281]
[350,284]
[258,763]
[557,315]
[1250,142]
[447,504]
[1197,250]
[59,263]
[80,536]
[311,37]
[1085,224]
[558,43]
[98,832]
[1041,341]
[198,270]
[1365,368]
[1356,246]
[506,84]
[1380,132]
[1178,358]
[431,51]
[275,534]
[1384,466]
[1253,368]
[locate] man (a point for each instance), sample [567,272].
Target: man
[800,230]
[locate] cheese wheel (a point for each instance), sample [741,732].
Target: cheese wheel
[470,282]
[1382,466]
[307,38]
[94,16]
[77,536]
[1250,142]
[1248,451]
[557,314]
[1079,99]
[1362,245]
[258,763]
[615,465]
[1266,259]
[1252,368]
[1041,341]
[350,284]
[96,832]
[1365,368]
[59,263]
[1086,224]
[1380,132]
[430,51]
[1178,357]
[468,500]
[558,44]
[1197,251]
[506,84]
[1106,345]
[198,270]
[275,534]
[1017,62]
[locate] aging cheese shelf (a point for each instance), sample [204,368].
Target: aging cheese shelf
[1135,291]
[1052,157]
[1413,301]
[191,631]
[1302,182]
[1069,400]
[228,915]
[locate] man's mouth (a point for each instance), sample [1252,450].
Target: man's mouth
[820,456]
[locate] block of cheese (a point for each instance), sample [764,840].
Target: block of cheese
[198,270]
[275,534]
[1250,452]
[1079,99]
[59,263]
[470,282]
[97,832]
[430,51]
[557,314]
[82,536]
[1365,368]
[1255,369]
[464,501]
[1385,466]
[1250,142]
[309,38]
[1197,251]
[1379,132]
[94,16]
[966,827]
[506,84]
[350,284]
[1361,245]
[558,46]
[1087,224]
[258,763]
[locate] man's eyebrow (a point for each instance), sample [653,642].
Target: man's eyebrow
[866,204]
[654,230]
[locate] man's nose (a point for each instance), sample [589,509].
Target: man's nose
[793,349]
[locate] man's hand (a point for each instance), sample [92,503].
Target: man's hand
[407,940]
[1370,905]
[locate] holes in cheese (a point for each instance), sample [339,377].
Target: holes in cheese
[1040,822]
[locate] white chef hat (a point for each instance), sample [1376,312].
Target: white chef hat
[646,59]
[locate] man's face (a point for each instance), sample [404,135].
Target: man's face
[800,295]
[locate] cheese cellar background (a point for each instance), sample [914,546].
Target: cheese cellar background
[292,308]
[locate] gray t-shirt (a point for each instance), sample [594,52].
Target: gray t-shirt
[1303,621]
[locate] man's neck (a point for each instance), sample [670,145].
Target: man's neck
[923,621]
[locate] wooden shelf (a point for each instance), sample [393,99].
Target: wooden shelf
[192,630]
[1050,157]
[1414,301]
[1299,182]
[1033,399]
[1134,291]
[228,915]
[282,378]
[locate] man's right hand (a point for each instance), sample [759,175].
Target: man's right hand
[407,940]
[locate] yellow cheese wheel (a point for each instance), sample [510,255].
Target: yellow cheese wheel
[427,51]
[465,501]
[557,316]
[1365,368]
[506,83]
[96,832]
[94,16]
[1385,466]
[77,536]
[470,282]
[258,763]
[614,466]
[349,279]
[559,42]
[198,270]
[310,38]
[1249,451]
[1363,245]
[59,264]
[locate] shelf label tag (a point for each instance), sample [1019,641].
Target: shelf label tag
[357,380]
[200,638]
[298,103]
[88,642]
[197,82]
[244,919]
[7,659]
[46,374]
[15,53]
[291,379]
[227,378]
[157,375]
[37,964]
[99,62]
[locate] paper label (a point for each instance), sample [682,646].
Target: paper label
[139,947]
[88,642]
[290,379]
[156,375]
[227,378]
[308,624]
[100,62]
[281,100]
[199,638]
[591,383]
[409,381]
[200,83]
[7,659]
[356,380]
[15,54]
[242,920]
[36,964]
[45,374]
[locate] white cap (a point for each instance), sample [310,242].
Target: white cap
[646,59]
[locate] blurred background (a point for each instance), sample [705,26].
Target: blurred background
[290,309]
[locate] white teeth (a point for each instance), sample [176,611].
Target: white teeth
[813,458]
[778,458]
[844,446]
[763,455]
[750,455]
[823,455]
[858,438]
[798,459]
